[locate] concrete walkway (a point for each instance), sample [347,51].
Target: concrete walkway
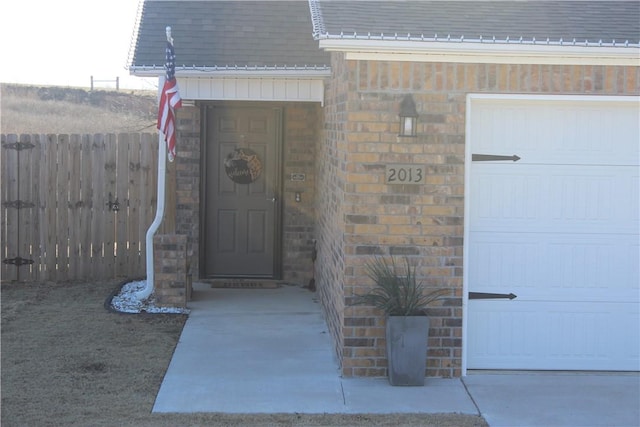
[269,351]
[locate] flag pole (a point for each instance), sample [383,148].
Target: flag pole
[162,174]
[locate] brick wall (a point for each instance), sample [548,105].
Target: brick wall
[301,124]
[188,183]
[360,216]
[170,270]
[330,166]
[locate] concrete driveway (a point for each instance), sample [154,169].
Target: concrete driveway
[556,399]
[269,351]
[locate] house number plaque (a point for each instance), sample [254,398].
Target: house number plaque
[404,174]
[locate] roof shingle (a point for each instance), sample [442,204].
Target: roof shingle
[284,34]
[229,34]
[592,21]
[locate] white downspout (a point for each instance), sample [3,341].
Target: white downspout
[162,174]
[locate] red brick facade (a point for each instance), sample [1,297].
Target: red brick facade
[343,148]
[170,270]
[360,216]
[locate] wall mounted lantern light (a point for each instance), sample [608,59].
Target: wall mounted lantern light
[408,117]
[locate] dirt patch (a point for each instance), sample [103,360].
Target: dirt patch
[66,360]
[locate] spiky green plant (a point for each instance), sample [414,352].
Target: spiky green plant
[397,293]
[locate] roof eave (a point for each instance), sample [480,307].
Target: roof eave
[479,51]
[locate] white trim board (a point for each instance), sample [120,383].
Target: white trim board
[490,53]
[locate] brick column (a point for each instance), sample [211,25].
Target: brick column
[170,268]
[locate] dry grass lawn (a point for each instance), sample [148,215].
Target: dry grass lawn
[60,110]
[67,361]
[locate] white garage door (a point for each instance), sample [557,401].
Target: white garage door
[559,228]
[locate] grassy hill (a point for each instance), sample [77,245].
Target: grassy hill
[53,109]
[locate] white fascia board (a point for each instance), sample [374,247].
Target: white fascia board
[483,52]
[233,72]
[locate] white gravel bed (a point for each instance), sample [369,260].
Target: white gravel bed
[126,302]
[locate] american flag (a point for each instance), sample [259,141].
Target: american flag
[169,102]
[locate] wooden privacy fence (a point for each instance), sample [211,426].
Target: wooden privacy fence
[77,207]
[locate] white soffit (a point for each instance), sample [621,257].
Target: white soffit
[484,52]
[235,83]
[252,89]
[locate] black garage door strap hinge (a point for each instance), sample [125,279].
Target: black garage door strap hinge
[485,295]
[492,158]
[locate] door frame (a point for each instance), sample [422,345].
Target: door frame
[278,110]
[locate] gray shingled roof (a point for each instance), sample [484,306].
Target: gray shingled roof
[591,21]
[279,34]
[229,34]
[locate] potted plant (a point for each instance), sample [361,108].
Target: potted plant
[403,299]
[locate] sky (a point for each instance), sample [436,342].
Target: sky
[65,42]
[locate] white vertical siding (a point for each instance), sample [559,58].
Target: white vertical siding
[252,89]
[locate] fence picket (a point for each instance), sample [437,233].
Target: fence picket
[74,181]
[5,269]
[147,188]
[36,171]
[45,148]
[133,207]
[62,227]
[23,197]
[97,220]
[50,207]
[110,193]
[86,198]
[122,196]
[10,173]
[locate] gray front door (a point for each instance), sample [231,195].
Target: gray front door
[241,232]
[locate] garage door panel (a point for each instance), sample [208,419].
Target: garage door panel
[562,132]
[550,197]
[504,263]
[504,197]
[542,198]
[600,268]
[556,266]
[560,228]
[563,336]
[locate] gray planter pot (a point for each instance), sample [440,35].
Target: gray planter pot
[407,349]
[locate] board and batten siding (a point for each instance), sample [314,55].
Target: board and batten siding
[252,89]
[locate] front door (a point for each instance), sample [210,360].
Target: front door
[241,233]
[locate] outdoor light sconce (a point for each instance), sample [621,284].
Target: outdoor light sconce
[408,117]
